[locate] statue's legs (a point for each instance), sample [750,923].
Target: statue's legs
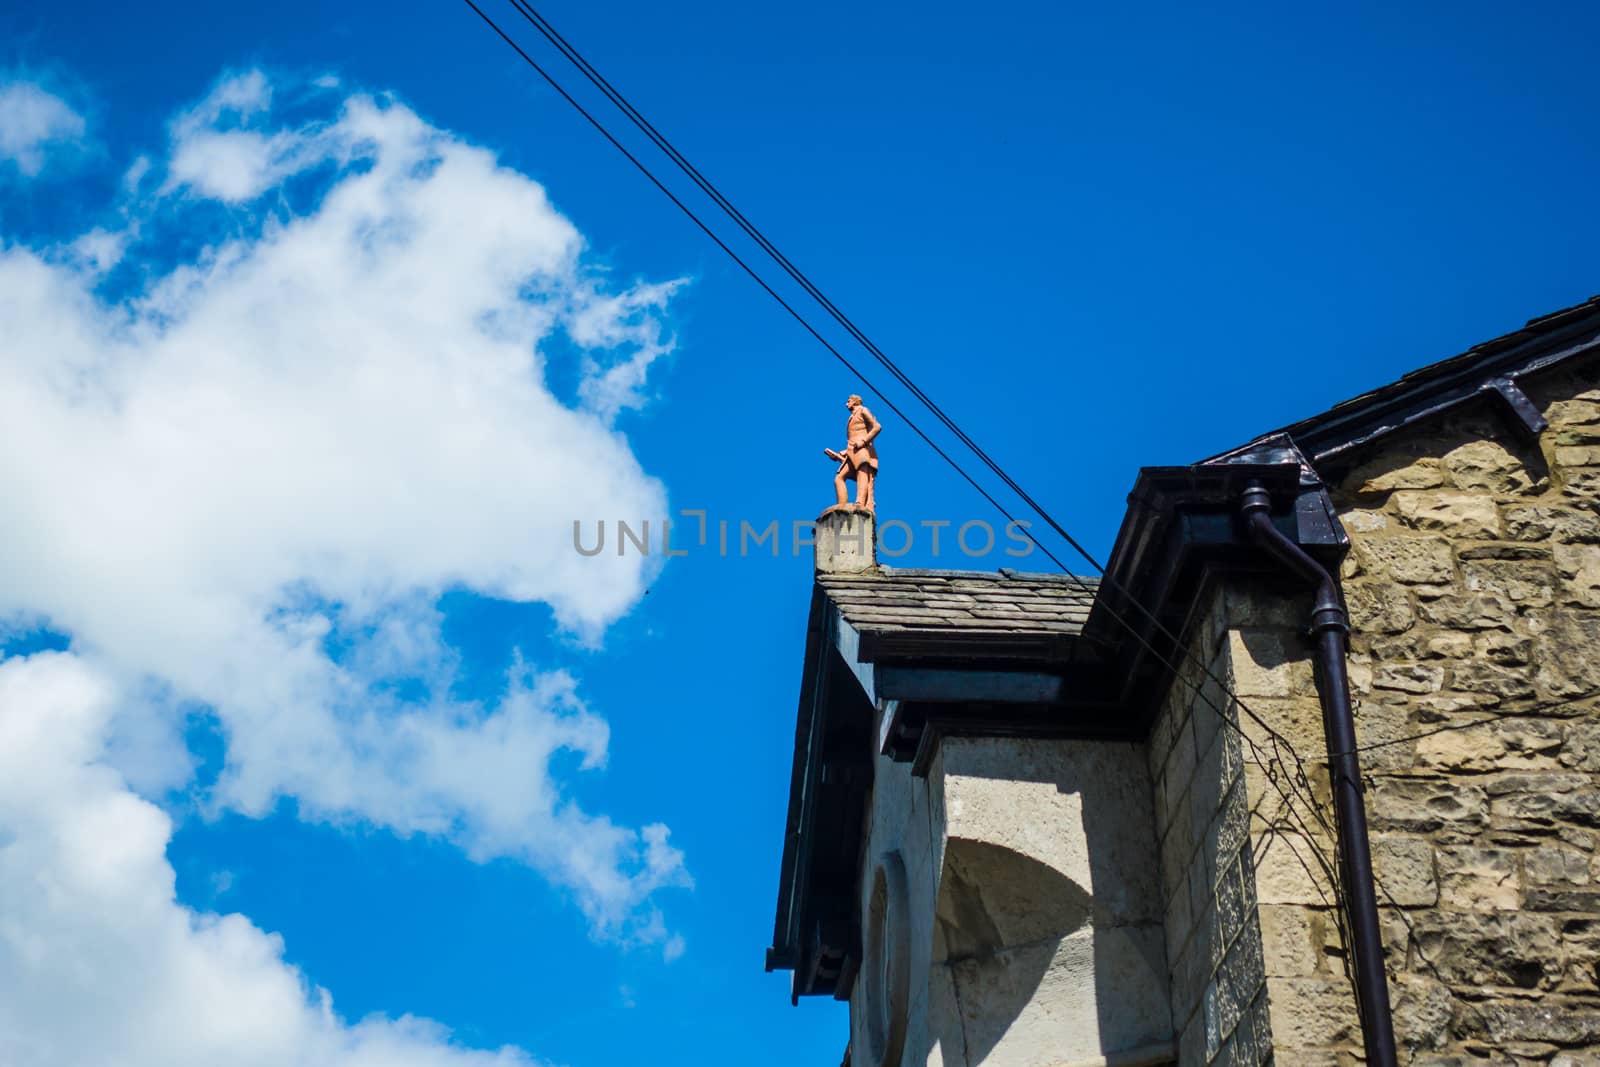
[864,478]
[839,486]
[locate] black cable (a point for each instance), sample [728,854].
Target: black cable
[705,185]
[616,98]
[600,82]
[798,276]
[762,282]
[573,56]
[622,103]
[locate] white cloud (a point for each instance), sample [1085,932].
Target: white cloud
[217,154]
[624,337]
[294,441]
[33,122]
[99,962]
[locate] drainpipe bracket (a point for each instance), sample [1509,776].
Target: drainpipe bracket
[1325,617]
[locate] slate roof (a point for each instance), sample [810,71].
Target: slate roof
[941,601]
[1484,370]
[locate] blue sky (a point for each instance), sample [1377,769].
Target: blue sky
[318,327]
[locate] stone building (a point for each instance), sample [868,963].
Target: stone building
[1040,821]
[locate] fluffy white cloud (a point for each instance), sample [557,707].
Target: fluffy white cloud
[246,485]
[100,963]
[217,153]
[32,122]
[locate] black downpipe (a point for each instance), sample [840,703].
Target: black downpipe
[1330,629]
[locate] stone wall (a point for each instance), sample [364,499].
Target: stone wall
[1241,849]
[1474,590]
[907,819]
[1034,929]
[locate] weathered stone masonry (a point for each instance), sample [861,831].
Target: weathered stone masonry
[1474,590]
[1247,845]
[1208,883]
[1474,587]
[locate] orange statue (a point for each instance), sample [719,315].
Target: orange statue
[859,458]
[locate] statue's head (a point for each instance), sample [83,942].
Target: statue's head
[853,401]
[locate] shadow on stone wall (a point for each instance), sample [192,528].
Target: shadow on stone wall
[1470,454]
[1048,916]
[1001,918]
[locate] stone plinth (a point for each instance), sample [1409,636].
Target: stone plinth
[846,541]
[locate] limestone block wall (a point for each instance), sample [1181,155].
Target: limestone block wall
[1035,933]
[1232,853]
[1474,588]
[1310,1007]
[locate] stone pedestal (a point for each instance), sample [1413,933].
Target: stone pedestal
[846,541]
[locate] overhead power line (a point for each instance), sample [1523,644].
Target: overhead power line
[1298,783]
[573,56]
[644,125]
[601,83]
[757,278]
[634,116]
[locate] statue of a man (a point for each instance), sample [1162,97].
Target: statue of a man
[859,460]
